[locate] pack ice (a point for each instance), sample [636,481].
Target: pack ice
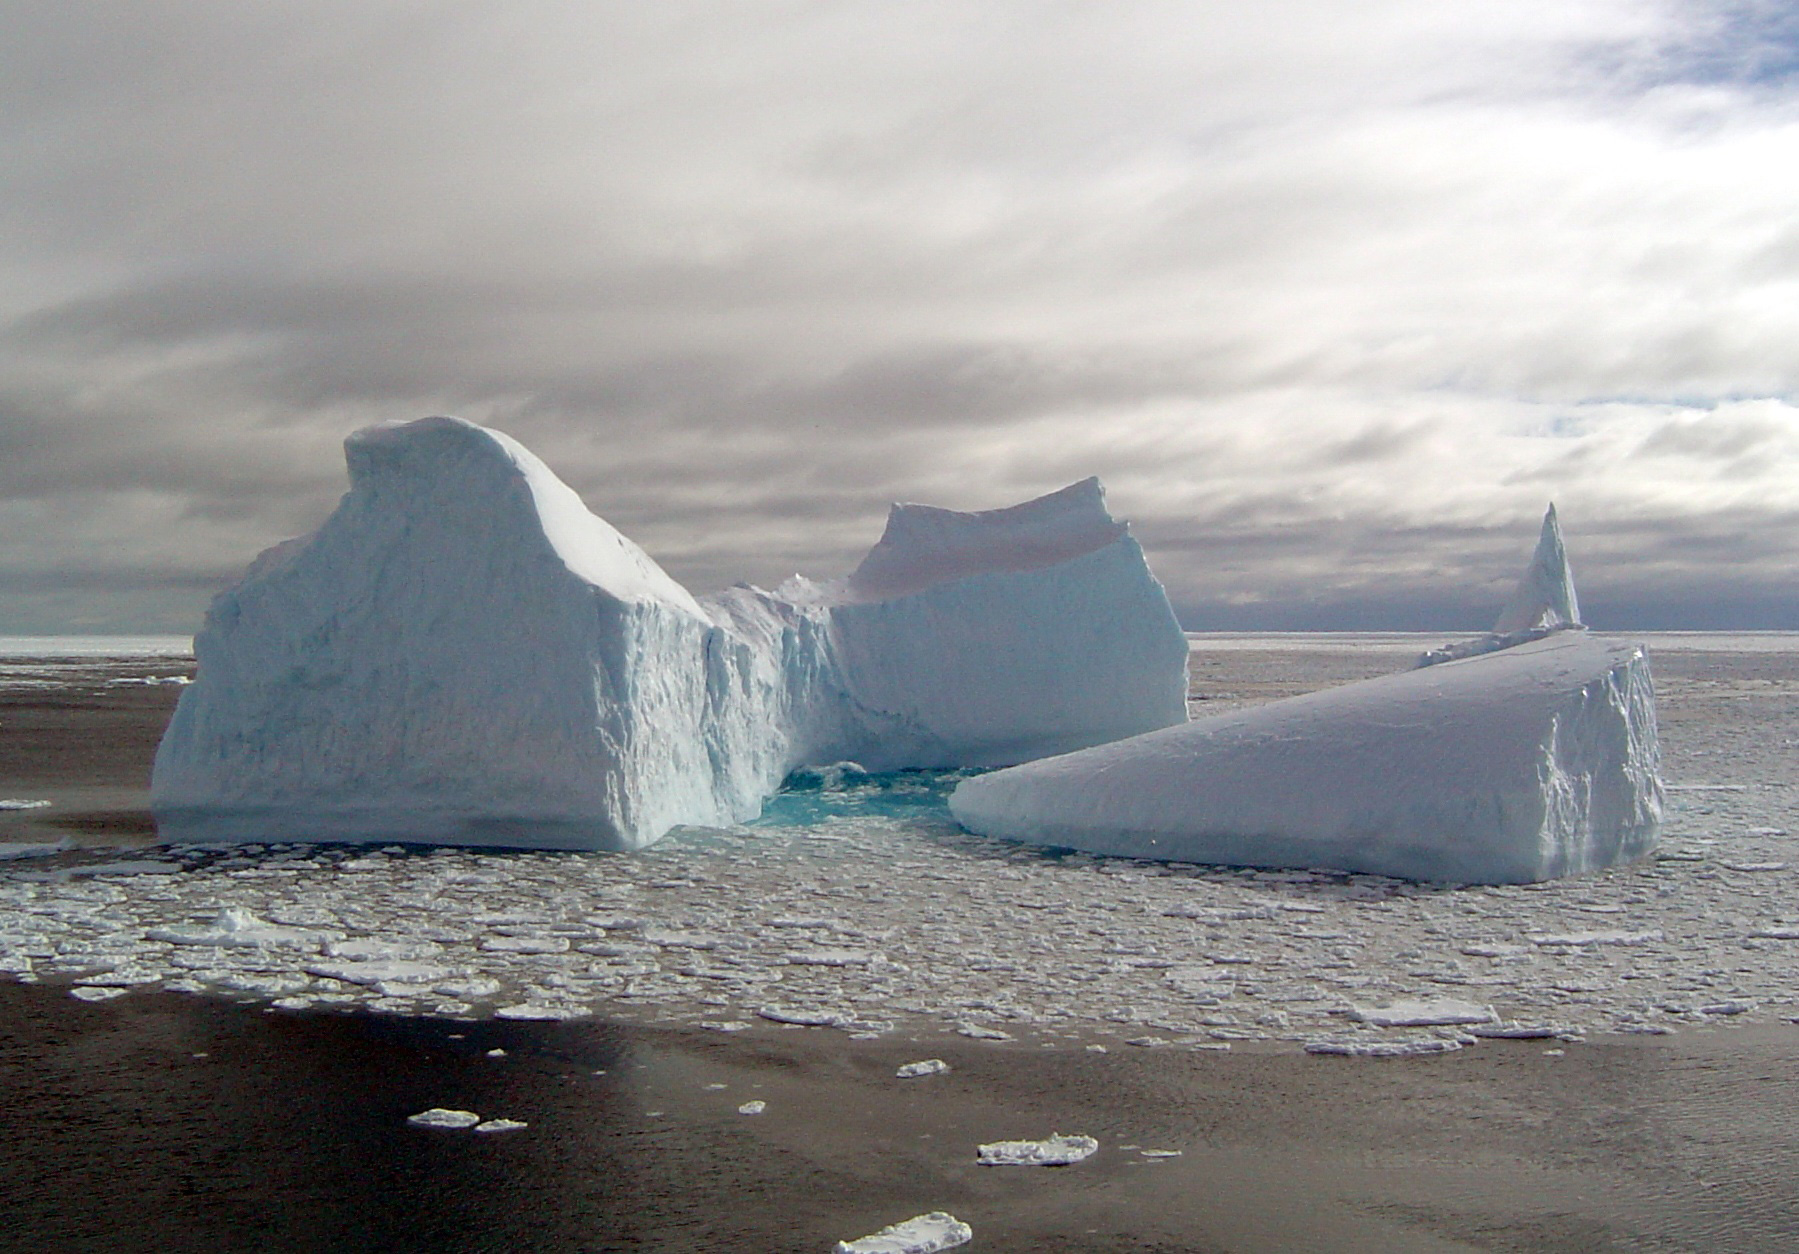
[463,654]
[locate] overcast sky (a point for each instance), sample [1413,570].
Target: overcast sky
[1334,296]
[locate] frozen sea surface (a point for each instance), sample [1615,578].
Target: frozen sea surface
[855,905]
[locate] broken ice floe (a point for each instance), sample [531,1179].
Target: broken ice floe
[21,803]
[501,1125]
[1054,1150]
[930,1066]
[1441,1012]
[752,1107]
[1058,948]
[922,1234]
[439,1117]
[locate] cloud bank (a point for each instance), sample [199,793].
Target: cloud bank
[1334,299]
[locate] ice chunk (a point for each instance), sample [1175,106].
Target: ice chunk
[930,1066]
[97,994]
[1383,1049]
[1054,1150]
[22,803]
[1441,1012]
[462,654]
[439,1117]
[1521,765]
[1543,602]
[752,1108]
[922,1234]
[10,849]
[380,971]
[501,1125]
[235,927]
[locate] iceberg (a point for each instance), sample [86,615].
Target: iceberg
[464,654]
[1542,604]
[1537,761]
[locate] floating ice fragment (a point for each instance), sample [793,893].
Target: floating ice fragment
[1418,1013]
[526,944]
[1568,940]
[1382,1049]
[11,849]
[501,1125]
[922,1234]
[725,1025]
[804,1018]
[1149,1153]
[975,1031]
[831,958]
[1055,1150]
[394,971]
[539,1010]
[1726,1009]
[97,994]
[439,1117]
[930,1066]
[1517,1031]
[235,927]
[752,1107]
[21,803]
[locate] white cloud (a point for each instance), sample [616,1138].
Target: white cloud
[1334,298]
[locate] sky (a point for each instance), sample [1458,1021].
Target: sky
[1335,298]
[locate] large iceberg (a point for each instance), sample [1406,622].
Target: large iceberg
[1536,761]
[464,654]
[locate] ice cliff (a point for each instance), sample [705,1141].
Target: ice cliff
[464,654]
[1536,761]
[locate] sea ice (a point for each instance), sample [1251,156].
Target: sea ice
[1533,762]
[439,1117]
[930,1066]
[11,849]
[501,1125]
[1438,1012]
[1054,1150]
[463,654]
[922,1234]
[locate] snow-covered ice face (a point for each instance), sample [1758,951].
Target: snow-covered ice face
[856,905]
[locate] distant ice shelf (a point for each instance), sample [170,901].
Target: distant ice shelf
[463,654]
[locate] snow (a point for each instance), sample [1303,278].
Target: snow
[1054,1150]
[1533,762]
[922,1234]
[463,654]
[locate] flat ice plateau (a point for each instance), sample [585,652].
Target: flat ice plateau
[1524,764]
[856,905]
[463,654]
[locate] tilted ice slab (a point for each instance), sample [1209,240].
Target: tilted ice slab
[463,654]
[1521,765]
[1543,603]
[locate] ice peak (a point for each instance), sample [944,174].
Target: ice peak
[925,545]
[1545,595]
[441,461]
